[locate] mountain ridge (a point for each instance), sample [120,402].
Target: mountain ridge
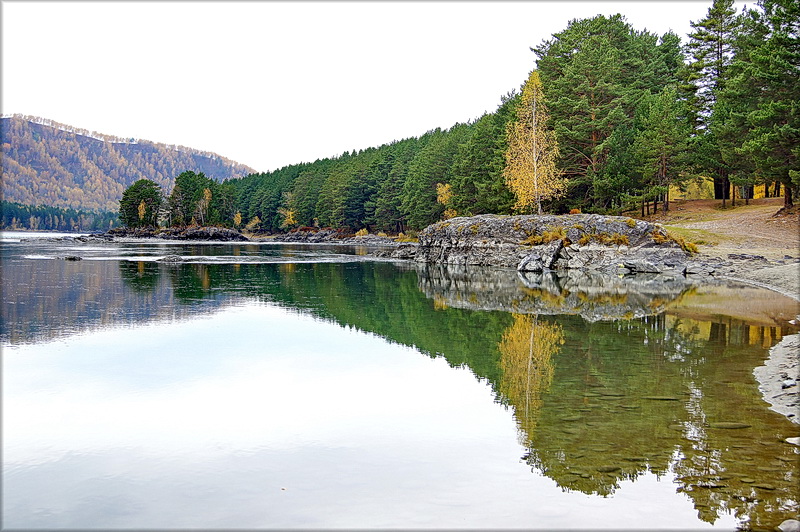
[48,163]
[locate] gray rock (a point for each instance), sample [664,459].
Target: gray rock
[71,257]
[542,258]
[505,241]
[790,525]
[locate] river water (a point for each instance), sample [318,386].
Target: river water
[286,386]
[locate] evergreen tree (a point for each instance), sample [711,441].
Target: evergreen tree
[140,204]
[767,77]
[477,173]
[595,73]
[661,141]
[710,49]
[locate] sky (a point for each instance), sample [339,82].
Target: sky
[269,84]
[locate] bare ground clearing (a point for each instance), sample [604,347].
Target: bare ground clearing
[739,235]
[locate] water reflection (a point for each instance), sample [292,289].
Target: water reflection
[609,380]
[526,360]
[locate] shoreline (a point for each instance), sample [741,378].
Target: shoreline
[779,376]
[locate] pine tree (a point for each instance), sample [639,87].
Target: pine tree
[143,193]
[661,141]
[710,48]
[530,170]
[768,77]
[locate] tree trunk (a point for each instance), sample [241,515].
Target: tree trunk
[787,197]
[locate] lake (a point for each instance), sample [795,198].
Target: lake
[257,385]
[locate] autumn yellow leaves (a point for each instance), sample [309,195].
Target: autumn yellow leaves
[530,170]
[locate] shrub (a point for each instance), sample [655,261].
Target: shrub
[362,232]
[585,239]
[619,239]
[533,240]
[575,211]
[602,238]
[631,222]
[660,237]
[402,237]
[554,233]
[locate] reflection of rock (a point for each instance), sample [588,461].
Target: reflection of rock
[592,295]
[536,243]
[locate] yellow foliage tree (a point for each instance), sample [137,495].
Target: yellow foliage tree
[530,170]
[237,219]
[526,352]
[288,217]
[444,193]
[253,223]
[142,209]
[288,211]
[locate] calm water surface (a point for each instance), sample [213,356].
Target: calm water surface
[269,386]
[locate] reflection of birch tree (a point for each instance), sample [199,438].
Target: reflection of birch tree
[526,352]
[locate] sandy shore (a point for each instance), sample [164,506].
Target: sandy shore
[779,377]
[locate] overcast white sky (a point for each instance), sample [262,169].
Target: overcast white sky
[269,84]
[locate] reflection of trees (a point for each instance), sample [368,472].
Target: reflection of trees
[657,394]
[140,276]
[526,352]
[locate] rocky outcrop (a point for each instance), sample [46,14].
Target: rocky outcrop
[330,236]
[611,244]
[219,234]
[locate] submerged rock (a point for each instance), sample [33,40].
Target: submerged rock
[729,425]
[789,525]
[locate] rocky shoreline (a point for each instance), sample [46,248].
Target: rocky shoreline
[217,234]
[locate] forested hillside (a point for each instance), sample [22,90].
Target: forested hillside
[631,114]
[52,164]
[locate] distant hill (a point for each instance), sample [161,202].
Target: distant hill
[47,163]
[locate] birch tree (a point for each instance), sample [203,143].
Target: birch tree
[530,170]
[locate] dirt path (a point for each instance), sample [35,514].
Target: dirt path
[751,241]
[753,229]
